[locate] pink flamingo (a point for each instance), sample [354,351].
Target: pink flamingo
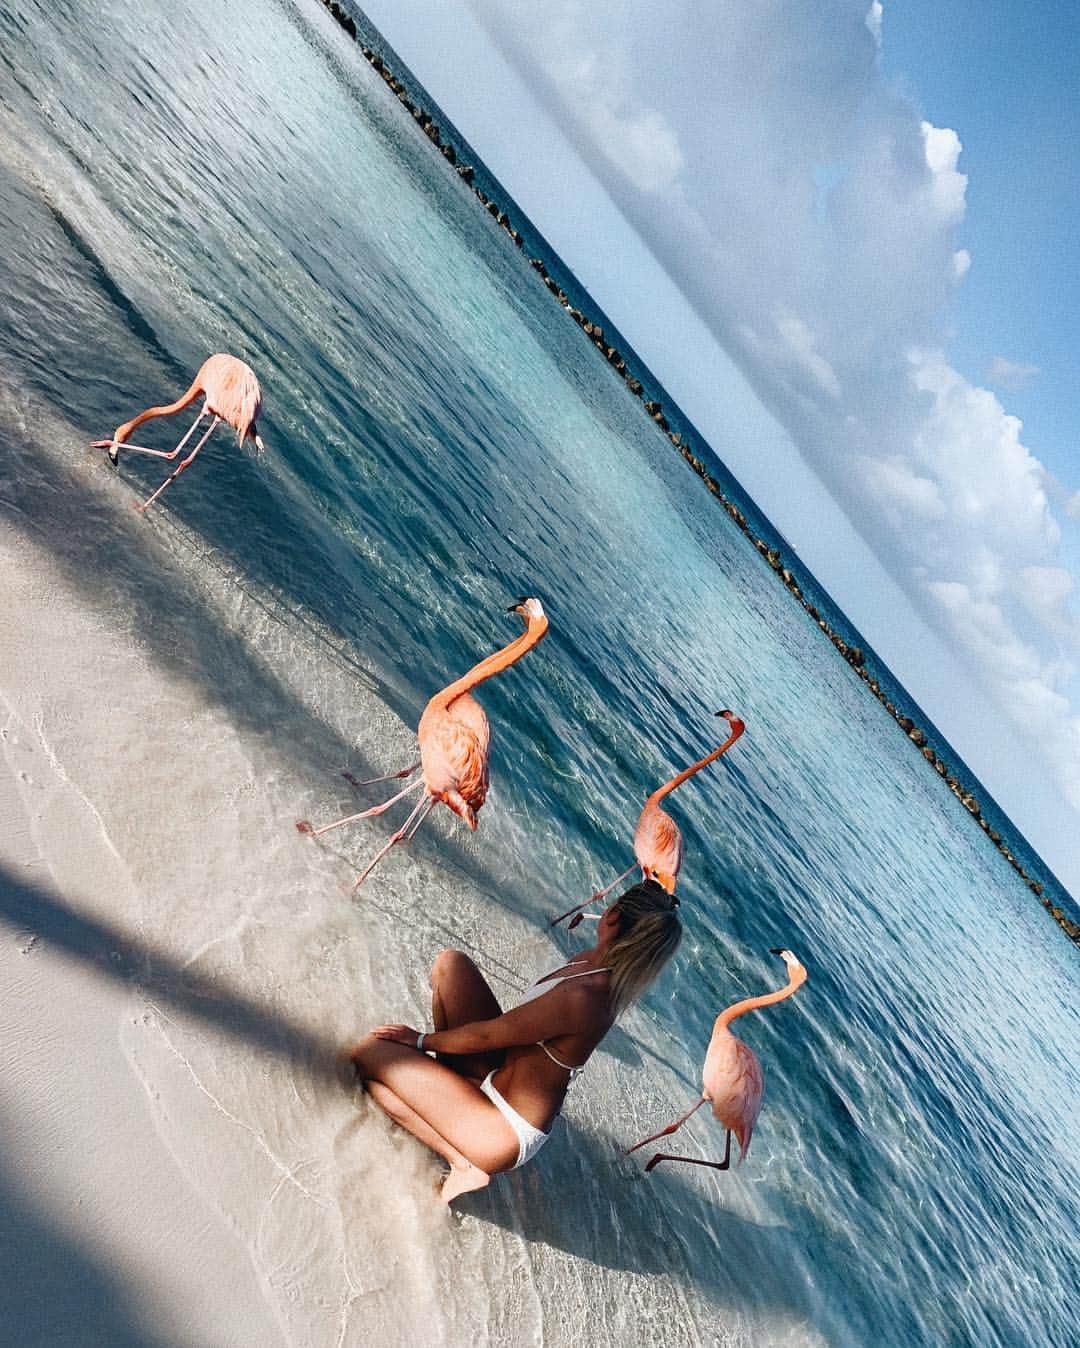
[732,1076]
[658,844]
[455,741]
[231,394]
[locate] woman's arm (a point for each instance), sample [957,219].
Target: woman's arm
[563,1010]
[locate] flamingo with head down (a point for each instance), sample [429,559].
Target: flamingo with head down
[658,843]
[231,394]
[455,741]
[732,1077]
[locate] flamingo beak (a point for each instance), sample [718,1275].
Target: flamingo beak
[775,950]
[516,606]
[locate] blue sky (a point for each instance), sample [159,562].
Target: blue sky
[1007,77]
[771,200]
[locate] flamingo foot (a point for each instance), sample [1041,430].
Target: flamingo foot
[390,776]
[570,913]
[725,1164]
[305,827]
[666,1132]
[688,1160]
[599,894]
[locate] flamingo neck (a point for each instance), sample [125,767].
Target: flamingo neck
[166,410]
[795,982]
[535,630]
[665,790]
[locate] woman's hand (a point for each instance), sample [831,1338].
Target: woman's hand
[397,1034]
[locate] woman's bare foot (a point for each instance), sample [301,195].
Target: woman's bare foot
[463,1180]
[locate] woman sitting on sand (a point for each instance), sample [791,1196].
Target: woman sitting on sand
[488,1101]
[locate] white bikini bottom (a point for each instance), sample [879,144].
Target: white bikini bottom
[530,1139]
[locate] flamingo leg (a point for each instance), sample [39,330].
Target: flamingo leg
[600,893]
[304,827]
[135,449]
[390,776]
[666,1132]
[172,453]
[114,446]
[404,833]
[693,1160]
[184,463]
[413,831]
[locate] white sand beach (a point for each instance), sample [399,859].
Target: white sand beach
[182,967]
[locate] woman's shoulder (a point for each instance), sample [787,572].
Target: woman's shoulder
[591,986]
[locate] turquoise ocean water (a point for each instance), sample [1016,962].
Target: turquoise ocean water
[233,176]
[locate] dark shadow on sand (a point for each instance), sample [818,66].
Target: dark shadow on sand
[28,908]
[607,1212]
[582,1196]
[56,1292]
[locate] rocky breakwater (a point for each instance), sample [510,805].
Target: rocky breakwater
[594,331]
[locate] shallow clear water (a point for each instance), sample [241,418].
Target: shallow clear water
[443,439]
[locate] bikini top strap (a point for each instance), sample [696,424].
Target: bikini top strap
[584,974]
[574,1071]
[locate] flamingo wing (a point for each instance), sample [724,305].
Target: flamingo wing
[454,747]
[735,1084]
[232,392]
[658,846]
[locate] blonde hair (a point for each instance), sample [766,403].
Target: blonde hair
[649,934]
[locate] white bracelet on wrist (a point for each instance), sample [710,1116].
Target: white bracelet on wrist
[420,1043]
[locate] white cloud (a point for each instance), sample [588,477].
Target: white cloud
[791,349]
[640,145]
[709,127]
[901,491]
[801,343]
[942,154]
[1045,592]
[992,485]
[635,138]
[1010,374]
[873,20]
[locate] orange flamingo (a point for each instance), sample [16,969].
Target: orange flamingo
[733,1080]
[231,394]
[455,741]
[658,844]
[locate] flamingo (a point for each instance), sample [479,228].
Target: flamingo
[658,844]
[455,741]
[232,394]
[733,1080]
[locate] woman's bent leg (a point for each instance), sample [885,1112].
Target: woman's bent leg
[460,995]
[464,1177]
[451,1106]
